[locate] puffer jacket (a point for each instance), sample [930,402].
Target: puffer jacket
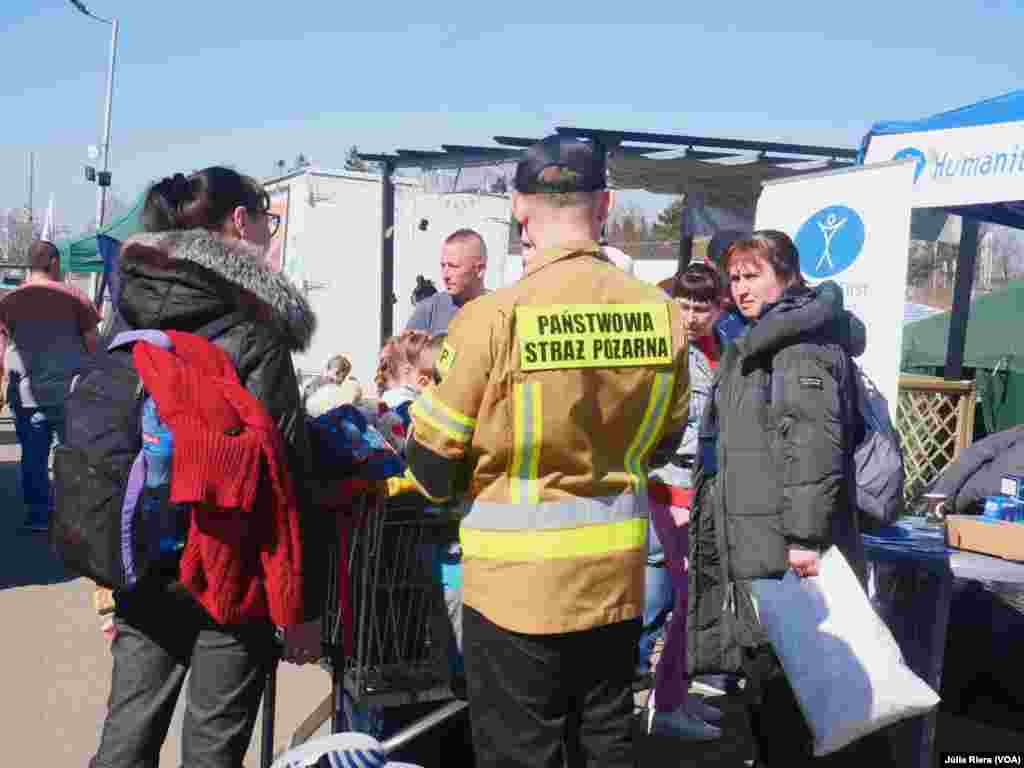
[184,280]
[775,466]
[978,471]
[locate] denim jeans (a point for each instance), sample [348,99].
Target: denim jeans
[658,599]
[36,429]
[445,567]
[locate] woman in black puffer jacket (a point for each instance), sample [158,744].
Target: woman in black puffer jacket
[201,261]
[775,481]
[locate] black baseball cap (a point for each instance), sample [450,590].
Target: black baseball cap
[578,167]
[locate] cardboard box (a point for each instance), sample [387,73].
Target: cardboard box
[989,537]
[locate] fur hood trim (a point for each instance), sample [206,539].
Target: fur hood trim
[238,262]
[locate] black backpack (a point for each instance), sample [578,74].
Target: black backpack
[97,528]
[877,458]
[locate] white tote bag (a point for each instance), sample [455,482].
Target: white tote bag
[840,658]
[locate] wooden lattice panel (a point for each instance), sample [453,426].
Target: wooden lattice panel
[935,422]
[927,422]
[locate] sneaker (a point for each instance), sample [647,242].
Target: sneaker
[683,725]
[699,708]
[711,685]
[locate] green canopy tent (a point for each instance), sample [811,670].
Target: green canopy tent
[82,254]
[995,349]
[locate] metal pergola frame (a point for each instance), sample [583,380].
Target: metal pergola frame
[511,149]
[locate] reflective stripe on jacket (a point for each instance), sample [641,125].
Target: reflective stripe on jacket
[556,391]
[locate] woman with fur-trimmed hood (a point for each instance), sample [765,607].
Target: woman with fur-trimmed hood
[200,262]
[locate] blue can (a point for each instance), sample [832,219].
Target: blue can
[157,444]
[1012,484]
[1005,508]
[166,522]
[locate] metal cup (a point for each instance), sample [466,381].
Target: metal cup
[935,509]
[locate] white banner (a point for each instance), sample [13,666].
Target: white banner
[959,166]
[853,227]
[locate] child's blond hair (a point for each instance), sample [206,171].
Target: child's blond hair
[412,348]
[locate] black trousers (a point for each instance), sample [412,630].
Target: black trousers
[160,636]
[781,734]
[531,694]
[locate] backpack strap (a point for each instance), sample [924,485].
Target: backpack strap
[210,331]
[221,325]
[157,338]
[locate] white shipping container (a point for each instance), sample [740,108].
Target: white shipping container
[331,238]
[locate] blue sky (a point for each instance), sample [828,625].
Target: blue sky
[246,83]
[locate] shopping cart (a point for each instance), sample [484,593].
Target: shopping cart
[386,636]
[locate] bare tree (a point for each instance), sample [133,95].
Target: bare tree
[18,234]
[1005,253]
[627,226]
[921,263]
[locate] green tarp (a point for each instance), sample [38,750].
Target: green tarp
[82,254]
[995,349]
[994,333]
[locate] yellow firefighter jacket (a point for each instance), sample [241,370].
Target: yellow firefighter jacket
[555,390]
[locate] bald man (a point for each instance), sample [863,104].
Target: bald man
[463,264]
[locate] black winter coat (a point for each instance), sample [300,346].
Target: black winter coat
[978,471]
[184,280]
[780,430]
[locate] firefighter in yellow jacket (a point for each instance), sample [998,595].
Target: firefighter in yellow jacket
[555,392]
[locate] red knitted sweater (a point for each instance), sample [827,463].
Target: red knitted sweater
[242,560]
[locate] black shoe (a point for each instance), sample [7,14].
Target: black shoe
[458,686]
[643,681]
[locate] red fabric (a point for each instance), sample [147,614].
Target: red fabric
[670,495]
[243,557]
[711,349]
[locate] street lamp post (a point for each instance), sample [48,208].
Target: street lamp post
[103,178]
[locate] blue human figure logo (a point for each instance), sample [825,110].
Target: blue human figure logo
[829,227]
[830,241]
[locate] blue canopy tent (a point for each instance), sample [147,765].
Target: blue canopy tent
[970,162]
[110,250]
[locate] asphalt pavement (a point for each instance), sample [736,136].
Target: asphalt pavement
[55,666]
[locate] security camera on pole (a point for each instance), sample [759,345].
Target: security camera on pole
[103,177]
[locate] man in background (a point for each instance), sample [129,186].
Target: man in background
[46,328]
[463,264]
